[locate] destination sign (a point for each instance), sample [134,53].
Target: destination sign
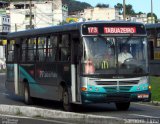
[92,30]
[121,30]
[113,28]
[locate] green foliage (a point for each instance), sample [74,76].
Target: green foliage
[129,9]
[155,83]
[74,5]
[154,15]
[119,6]
[102,5]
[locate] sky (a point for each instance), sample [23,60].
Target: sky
[138,5]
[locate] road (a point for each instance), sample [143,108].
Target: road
[136,110]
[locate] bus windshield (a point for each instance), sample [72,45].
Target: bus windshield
[115,55]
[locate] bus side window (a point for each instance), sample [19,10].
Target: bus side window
[151,50]
[42,48]
[10,48]
[24,50]
[65,48]
[31,51]
[52,48]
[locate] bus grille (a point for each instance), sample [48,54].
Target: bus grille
[118,89]
[134,82]
[124,83]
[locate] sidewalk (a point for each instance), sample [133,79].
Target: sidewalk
[77,118]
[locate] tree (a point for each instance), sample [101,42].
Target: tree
[154,15]
[129,10]
[139,13]
[102,5]
[75,5]
[119,6]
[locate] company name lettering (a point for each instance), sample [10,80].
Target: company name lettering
[122,30]
[47,74]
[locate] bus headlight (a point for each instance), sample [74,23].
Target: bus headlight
[149,87]
[143,80]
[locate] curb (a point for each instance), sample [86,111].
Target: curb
[59,115]
[153,103]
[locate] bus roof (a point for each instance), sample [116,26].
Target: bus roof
[151,26]
[65,27]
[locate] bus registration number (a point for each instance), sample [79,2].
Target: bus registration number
[141,96]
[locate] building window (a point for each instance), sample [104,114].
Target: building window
[27,16]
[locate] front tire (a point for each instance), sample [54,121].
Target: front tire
[123,106]
[27,98]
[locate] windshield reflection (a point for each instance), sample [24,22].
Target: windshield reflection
[115,55]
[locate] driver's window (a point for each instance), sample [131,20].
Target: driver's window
[124,52]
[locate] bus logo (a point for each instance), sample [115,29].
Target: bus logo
[119,30]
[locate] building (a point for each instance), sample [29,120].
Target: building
[43,13]
[137,18]
[100,14]
[4,23]
[4,29]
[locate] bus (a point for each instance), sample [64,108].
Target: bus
[78,64]
[153,34]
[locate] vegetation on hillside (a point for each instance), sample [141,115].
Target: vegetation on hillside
[74,5]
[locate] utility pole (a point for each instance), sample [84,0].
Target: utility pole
[30,13]
[52,12]
[151,12]
[124,10]
[15,27]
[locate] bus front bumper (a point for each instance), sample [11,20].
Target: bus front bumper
[93,97]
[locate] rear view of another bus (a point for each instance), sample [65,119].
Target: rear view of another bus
[153,34]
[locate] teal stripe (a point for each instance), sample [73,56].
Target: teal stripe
[31,81]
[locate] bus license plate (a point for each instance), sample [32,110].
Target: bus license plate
[140,96]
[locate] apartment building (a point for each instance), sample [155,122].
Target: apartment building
[100,13]
[44,13]
[4,23]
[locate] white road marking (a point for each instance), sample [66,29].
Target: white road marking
[144,116]
[47,120]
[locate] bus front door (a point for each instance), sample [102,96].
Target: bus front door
[75,70]
[16,69]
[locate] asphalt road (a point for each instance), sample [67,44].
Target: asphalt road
[137,110]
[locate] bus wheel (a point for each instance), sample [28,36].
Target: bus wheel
[67,106]
[27,98]
[123,106]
